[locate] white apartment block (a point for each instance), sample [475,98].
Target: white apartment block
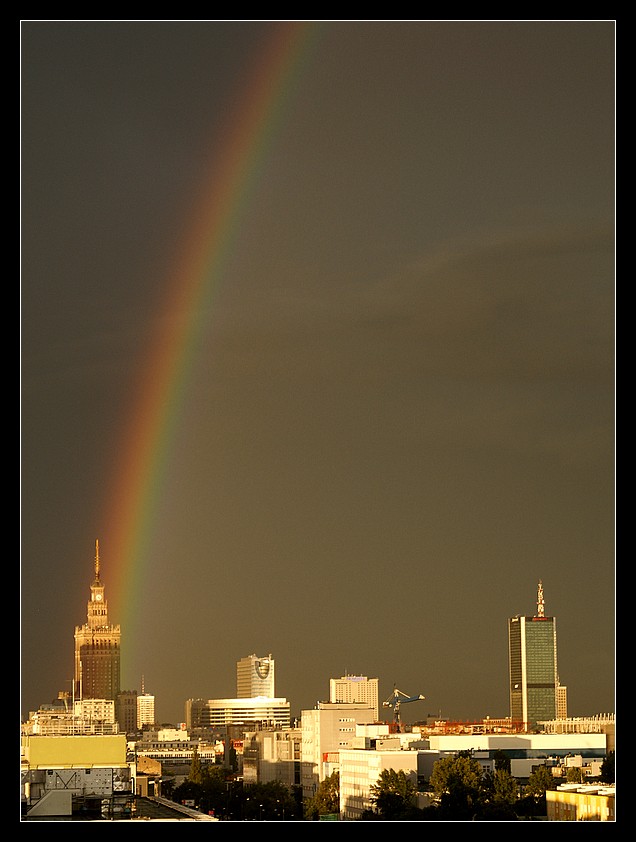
[326,730]
[360,770]
[355,688]
[145,710]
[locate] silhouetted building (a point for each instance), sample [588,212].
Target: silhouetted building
[532,650]
[97,647]
[126,711]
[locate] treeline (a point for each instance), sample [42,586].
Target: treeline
[463,791]
[460,790]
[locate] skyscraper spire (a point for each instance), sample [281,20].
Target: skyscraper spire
[97,646]
[540,600]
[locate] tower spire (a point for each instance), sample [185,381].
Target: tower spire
[540,600]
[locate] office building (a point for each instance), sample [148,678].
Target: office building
[326,731]
[532,657]
[562,701]
[247,713]
[145,710]
[97,647]
[272,755]
[126,711]
[355,688]
[255,677]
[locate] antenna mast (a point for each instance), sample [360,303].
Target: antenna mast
[540,601]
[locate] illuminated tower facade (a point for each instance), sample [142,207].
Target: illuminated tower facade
[97,647]
[532,658]
[255,677]
[355,688]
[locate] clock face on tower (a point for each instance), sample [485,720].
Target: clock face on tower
[98,597]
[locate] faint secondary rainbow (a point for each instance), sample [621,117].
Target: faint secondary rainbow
[132,499]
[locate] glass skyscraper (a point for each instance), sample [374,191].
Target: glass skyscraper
[532,657]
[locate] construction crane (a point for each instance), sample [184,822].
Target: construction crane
[398,698]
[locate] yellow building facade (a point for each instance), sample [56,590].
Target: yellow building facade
[68,752]
[581,803]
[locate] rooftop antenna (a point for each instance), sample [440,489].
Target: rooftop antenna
[97,560]
[540,600]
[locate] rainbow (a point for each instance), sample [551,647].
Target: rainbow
[132,497]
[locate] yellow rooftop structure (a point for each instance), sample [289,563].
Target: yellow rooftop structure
[39,752]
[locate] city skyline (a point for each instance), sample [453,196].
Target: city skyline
[257,672]
[317,340]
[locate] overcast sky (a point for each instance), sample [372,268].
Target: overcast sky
[399,415]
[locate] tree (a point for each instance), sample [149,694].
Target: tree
[502,761]
[196,774]
[272,801]
[540,780]
[499,794]
[608,769]
[394,794]
[457,781]
[326,800]
[533,802]
[466,793]
[450,772]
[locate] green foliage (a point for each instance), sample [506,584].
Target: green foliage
[502,761]
[500,787]
[574,775]
[539,781]
[394,794]
[499,795]
[326,800]
[272,801]
[227,798]
[195,775]
[454,773]
[608,769]
[466,793]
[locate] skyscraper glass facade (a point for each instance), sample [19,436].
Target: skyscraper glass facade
[533,669]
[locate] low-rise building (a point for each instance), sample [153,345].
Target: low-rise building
[525,751]
[223,713]
[66,718]
[581,803]
[272,755]
[59,774]
[360,770]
